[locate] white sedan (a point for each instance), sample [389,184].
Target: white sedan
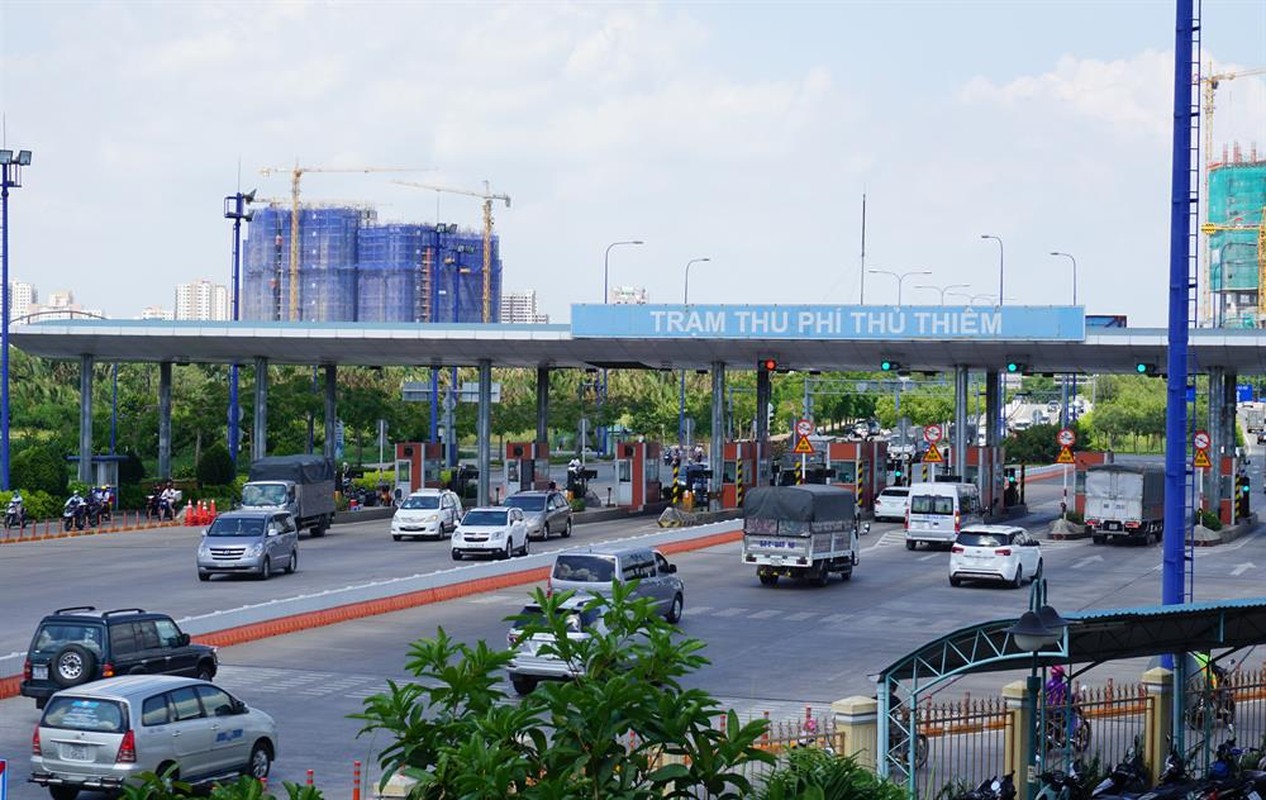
[995,553]
[498,531]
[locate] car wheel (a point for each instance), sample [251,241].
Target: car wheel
[63,792]
[457,555]
[206,671]
[395,537]
[955,580]
[910,545]
[545,532]
[1038,573]
[523,686]
[674,611]
[293,563]
[509,552]
[768,579]
[567,529]
[524,551]
[1019,577]
[168,770]
[204,576]
[72,665]
[266,569]
[261,761]
[1096,539]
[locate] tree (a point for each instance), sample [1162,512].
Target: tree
[40,469]
[625,728]
[215,467]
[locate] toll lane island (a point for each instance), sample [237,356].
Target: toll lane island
[831,322]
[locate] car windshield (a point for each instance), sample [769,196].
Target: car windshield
[968,539]
[527,502]
[267,494]
[899,494]
[584,568]
[427,501]
[484,517]
[54,636]
[84,714]
[931,504]
[229,526]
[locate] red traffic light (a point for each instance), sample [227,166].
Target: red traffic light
[769,364]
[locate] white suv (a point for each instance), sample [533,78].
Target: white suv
[892,503]
[433,513]
[531,663]
[98,737]
[995,553]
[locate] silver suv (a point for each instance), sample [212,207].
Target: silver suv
[533,660]
[252,542]
[99,736]
[545,512]
[595,571]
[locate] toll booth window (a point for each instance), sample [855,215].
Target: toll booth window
[650,470]
[729,472]
[624,471]
[431,471]
[845,471]
[404,471]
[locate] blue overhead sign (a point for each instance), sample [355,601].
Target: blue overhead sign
[1012,323]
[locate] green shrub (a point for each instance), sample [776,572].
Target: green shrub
[1075,518]
[215,466]
[812,773]
[40,469]
[578,504]
[1209,519]
[39,505]
[132,496]
[131,469]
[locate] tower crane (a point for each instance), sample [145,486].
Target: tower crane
[296,174]
[1209,228]
[1209,86]
[487,196]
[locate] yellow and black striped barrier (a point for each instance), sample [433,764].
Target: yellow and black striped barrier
[676,482]
[738,488]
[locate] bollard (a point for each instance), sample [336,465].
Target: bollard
[355,780]
[738,481]
[263,784]
[310,778]
[676,484]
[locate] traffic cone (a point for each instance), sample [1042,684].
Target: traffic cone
[212,512]
[203,518]
[191,513]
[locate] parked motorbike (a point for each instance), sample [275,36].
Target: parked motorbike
[15,515]
[75,513]
[1130,775]
[994,788]
[899,742]
[1219,701]
[1060,731]
[1059,785]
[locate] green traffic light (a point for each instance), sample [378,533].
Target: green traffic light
[1140,368]
[885,365]
[1012,366]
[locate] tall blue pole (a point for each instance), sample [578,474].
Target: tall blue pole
[1181,207]
[237,214]
[4,357]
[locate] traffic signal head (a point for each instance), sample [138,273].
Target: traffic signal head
[1144,368]
[1016,367]
[769,364]
[888,365]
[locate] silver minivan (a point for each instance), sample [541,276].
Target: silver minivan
[595,571]
[97,737]
[252,542]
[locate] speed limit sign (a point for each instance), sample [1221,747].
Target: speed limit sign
[1066,437]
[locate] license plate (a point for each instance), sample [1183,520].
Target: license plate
[40,672]
[75,752]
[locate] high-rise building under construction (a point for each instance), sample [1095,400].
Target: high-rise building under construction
[1236,230]
[353,269]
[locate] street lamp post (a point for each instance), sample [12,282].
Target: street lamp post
[10,175]
[235,209]
[1070,258]
[1063,409]
[681,410]
[943,289]
[606,267]
[1039,627]
[1001,261]
[900,276]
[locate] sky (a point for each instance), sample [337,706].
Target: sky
[742,132]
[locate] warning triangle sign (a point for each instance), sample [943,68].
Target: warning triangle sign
[803,446]
[1202,459]
[1065,456]
[933,456]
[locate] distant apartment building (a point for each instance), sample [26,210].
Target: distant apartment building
[628,295]
[519,308]
[22,301]
[61,305]
[202,300]
[157,312]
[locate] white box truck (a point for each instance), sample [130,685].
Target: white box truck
[804,532]
[1125,502]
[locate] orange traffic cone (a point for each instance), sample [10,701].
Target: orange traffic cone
[212,512]
[197,513]
[203,517]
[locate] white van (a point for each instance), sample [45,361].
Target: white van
[938,511]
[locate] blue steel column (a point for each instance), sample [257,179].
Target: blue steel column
[716,450]
[85,418]
[485,428]
[164,419]
[960,424]
[764,393]
[331,421]
[542,405]
[259,435]
[994,434]
[1179,234]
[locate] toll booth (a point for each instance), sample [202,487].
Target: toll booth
[1082,461]
[738,472]
[636,474]
[859,466]
[525,466]
[417,465]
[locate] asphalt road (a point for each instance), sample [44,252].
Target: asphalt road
[773,649]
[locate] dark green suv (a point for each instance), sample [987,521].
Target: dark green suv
[76,645]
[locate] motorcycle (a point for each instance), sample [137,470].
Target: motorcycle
[1130,775]
[1059,785]
[15,516]
[101,504]
[1219,700]
[899,742]
[75,513]
[158,508]
[1060,731]
[994,788]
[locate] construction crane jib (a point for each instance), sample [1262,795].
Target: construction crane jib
[487,196]
[296,175]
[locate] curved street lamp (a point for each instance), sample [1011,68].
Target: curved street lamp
[1070,258]
[900,276]
[681,408]
[1001,261]
[606,266]
[943,289]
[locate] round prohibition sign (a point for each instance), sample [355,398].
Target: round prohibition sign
[1201,440]
[1066,437]
[804,427]
[932,433]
